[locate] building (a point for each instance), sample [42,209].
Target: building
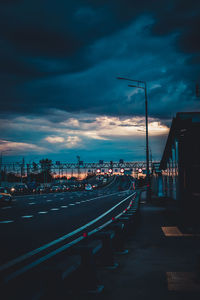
[180,164]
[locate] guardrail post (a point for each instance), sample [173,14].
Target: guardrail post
[119,239]
[107,253]
[88,278]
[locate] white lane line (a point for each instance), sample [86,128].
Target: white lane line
[78,202]
[31,203]
[71,204]
[44,196]
[54,208]
[42,212]
[27,217]
[61,198]
[6,207]
[49,200]
[31,198]
[6,221]
[64,206]
[64,237]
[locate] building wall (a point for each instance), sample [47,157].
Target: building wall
[165,182]
[181,179]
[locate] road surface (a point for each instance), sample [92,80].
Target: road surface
[32,221]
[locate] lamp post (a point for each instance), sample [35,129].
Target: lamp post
[142,85]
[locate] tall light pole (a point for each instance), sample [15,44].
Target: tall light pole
[142,85]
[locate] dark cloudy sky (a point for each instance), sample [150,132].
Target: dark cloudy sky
[58,66]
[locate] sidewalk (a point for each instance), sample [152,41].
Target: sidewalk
[158,266]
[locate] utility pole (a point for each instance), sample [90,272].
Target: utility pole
[142,85]
[22,169]
[151,159]
[78,158]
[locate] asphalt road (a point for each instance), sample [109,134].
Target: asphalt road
[34,220]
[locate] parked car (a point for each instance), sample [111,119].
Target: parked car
[40,190]
[55,188]
[5,196]
[63,188]
[19,189]
[88,187]
[73,187]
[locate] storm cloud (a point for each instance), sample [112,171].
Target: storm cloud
[64,57]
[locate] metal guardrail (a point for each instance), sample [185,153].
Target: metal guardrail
[14,269]
[21,264]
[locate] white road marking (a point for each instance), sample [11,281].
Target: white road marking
[38,250]
[78,202]
[31,203]
[42,212]
[31,198]
[27,217]
[54,208]
[71,204]
[64,206]
[61,198]
[44,196]
[6,207]
[49,200]
[6,221]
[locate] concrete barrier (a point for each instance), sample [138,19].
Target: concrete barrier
[79,270]
[87,280]
[119,239]
[106,258]
[49,281]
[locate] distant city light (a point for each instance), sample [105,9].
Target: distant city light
[122,170]
[110,170]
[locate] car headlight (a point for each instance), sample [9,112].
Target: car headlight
[12,189]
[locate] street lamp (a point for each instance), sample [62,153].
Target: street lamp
[142,85]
